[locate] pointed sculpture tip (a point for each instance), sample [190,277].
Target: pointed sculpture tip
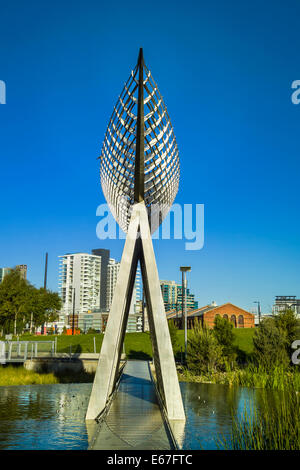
[141,56]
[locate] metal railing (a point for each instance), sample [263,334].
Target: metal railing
[19,351]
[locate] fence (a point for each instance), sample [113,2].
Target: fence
[19,351]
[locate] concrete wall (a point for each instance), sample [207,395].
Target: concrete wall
[76,364]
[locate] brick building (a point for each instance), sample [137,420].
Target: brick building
[238,316]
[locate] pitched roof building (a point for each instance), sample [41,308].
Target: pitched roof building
[238,316]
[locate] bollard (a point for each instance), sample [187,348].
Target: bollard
[94,345]
[2,352]
[9,351]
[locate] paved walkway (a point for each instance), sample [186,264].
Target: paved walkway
[134,420]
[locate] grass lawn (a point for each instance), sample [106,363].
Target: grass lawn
[137,345]
[244,339]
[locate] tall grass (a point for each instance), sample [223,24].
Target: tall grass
[19,376]
[277,378]
[271,426]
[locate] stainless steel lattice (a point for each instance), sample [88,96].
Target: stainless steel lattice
[160,151]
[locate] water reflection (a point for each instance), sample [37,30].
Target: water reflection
[208,409]
[44,416]
[53,416]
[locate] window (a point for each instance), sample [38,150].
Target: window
[225,316]
[233,320]
[241,321]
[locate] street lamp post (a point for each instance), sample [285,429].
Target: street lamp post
[184,270]
[258,309]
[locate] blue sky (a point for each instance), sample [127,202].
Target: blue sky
[225,70]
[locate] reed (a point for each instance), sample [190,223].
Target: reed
[277,378]
[271,426]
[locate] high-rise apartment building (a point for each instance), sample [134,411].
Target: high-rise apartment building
[23,270]
[112,276]
[105,257]
[4,272]
[172,296]
[21,267]
[79,272]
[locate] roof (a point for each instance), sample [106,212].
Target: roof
[190,312]
[200,311]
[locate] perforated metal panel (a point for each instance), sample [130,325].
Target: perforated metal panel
[161,156]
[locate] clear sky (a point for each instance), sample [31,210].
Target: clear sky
[225,71]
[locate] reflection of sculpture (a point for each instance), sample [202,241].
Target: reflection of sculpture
[139,170]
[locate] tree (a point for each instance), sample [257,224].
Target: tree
[270,344]
[223,331]
[21,303]
[44,305]
[204,354]
[287,322]
[14,296]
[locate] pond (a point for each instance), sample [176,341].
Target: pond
[53,416]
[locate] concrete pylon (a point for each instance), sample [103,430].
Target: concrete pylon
[138,247]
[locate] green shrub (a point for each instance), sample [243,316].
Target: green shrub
[223,331]
[91,331]
[270,344]
[204,354]
[288,324]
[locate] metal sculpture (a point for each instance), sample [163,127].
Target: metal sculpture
[139,175]
[139,159]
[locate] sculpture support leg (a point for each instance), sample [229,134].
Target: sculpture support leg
[165,367]
[107,368]
[137,249]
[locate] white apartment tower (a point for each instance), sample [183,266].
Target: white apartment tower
[112,275]
[79,271]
